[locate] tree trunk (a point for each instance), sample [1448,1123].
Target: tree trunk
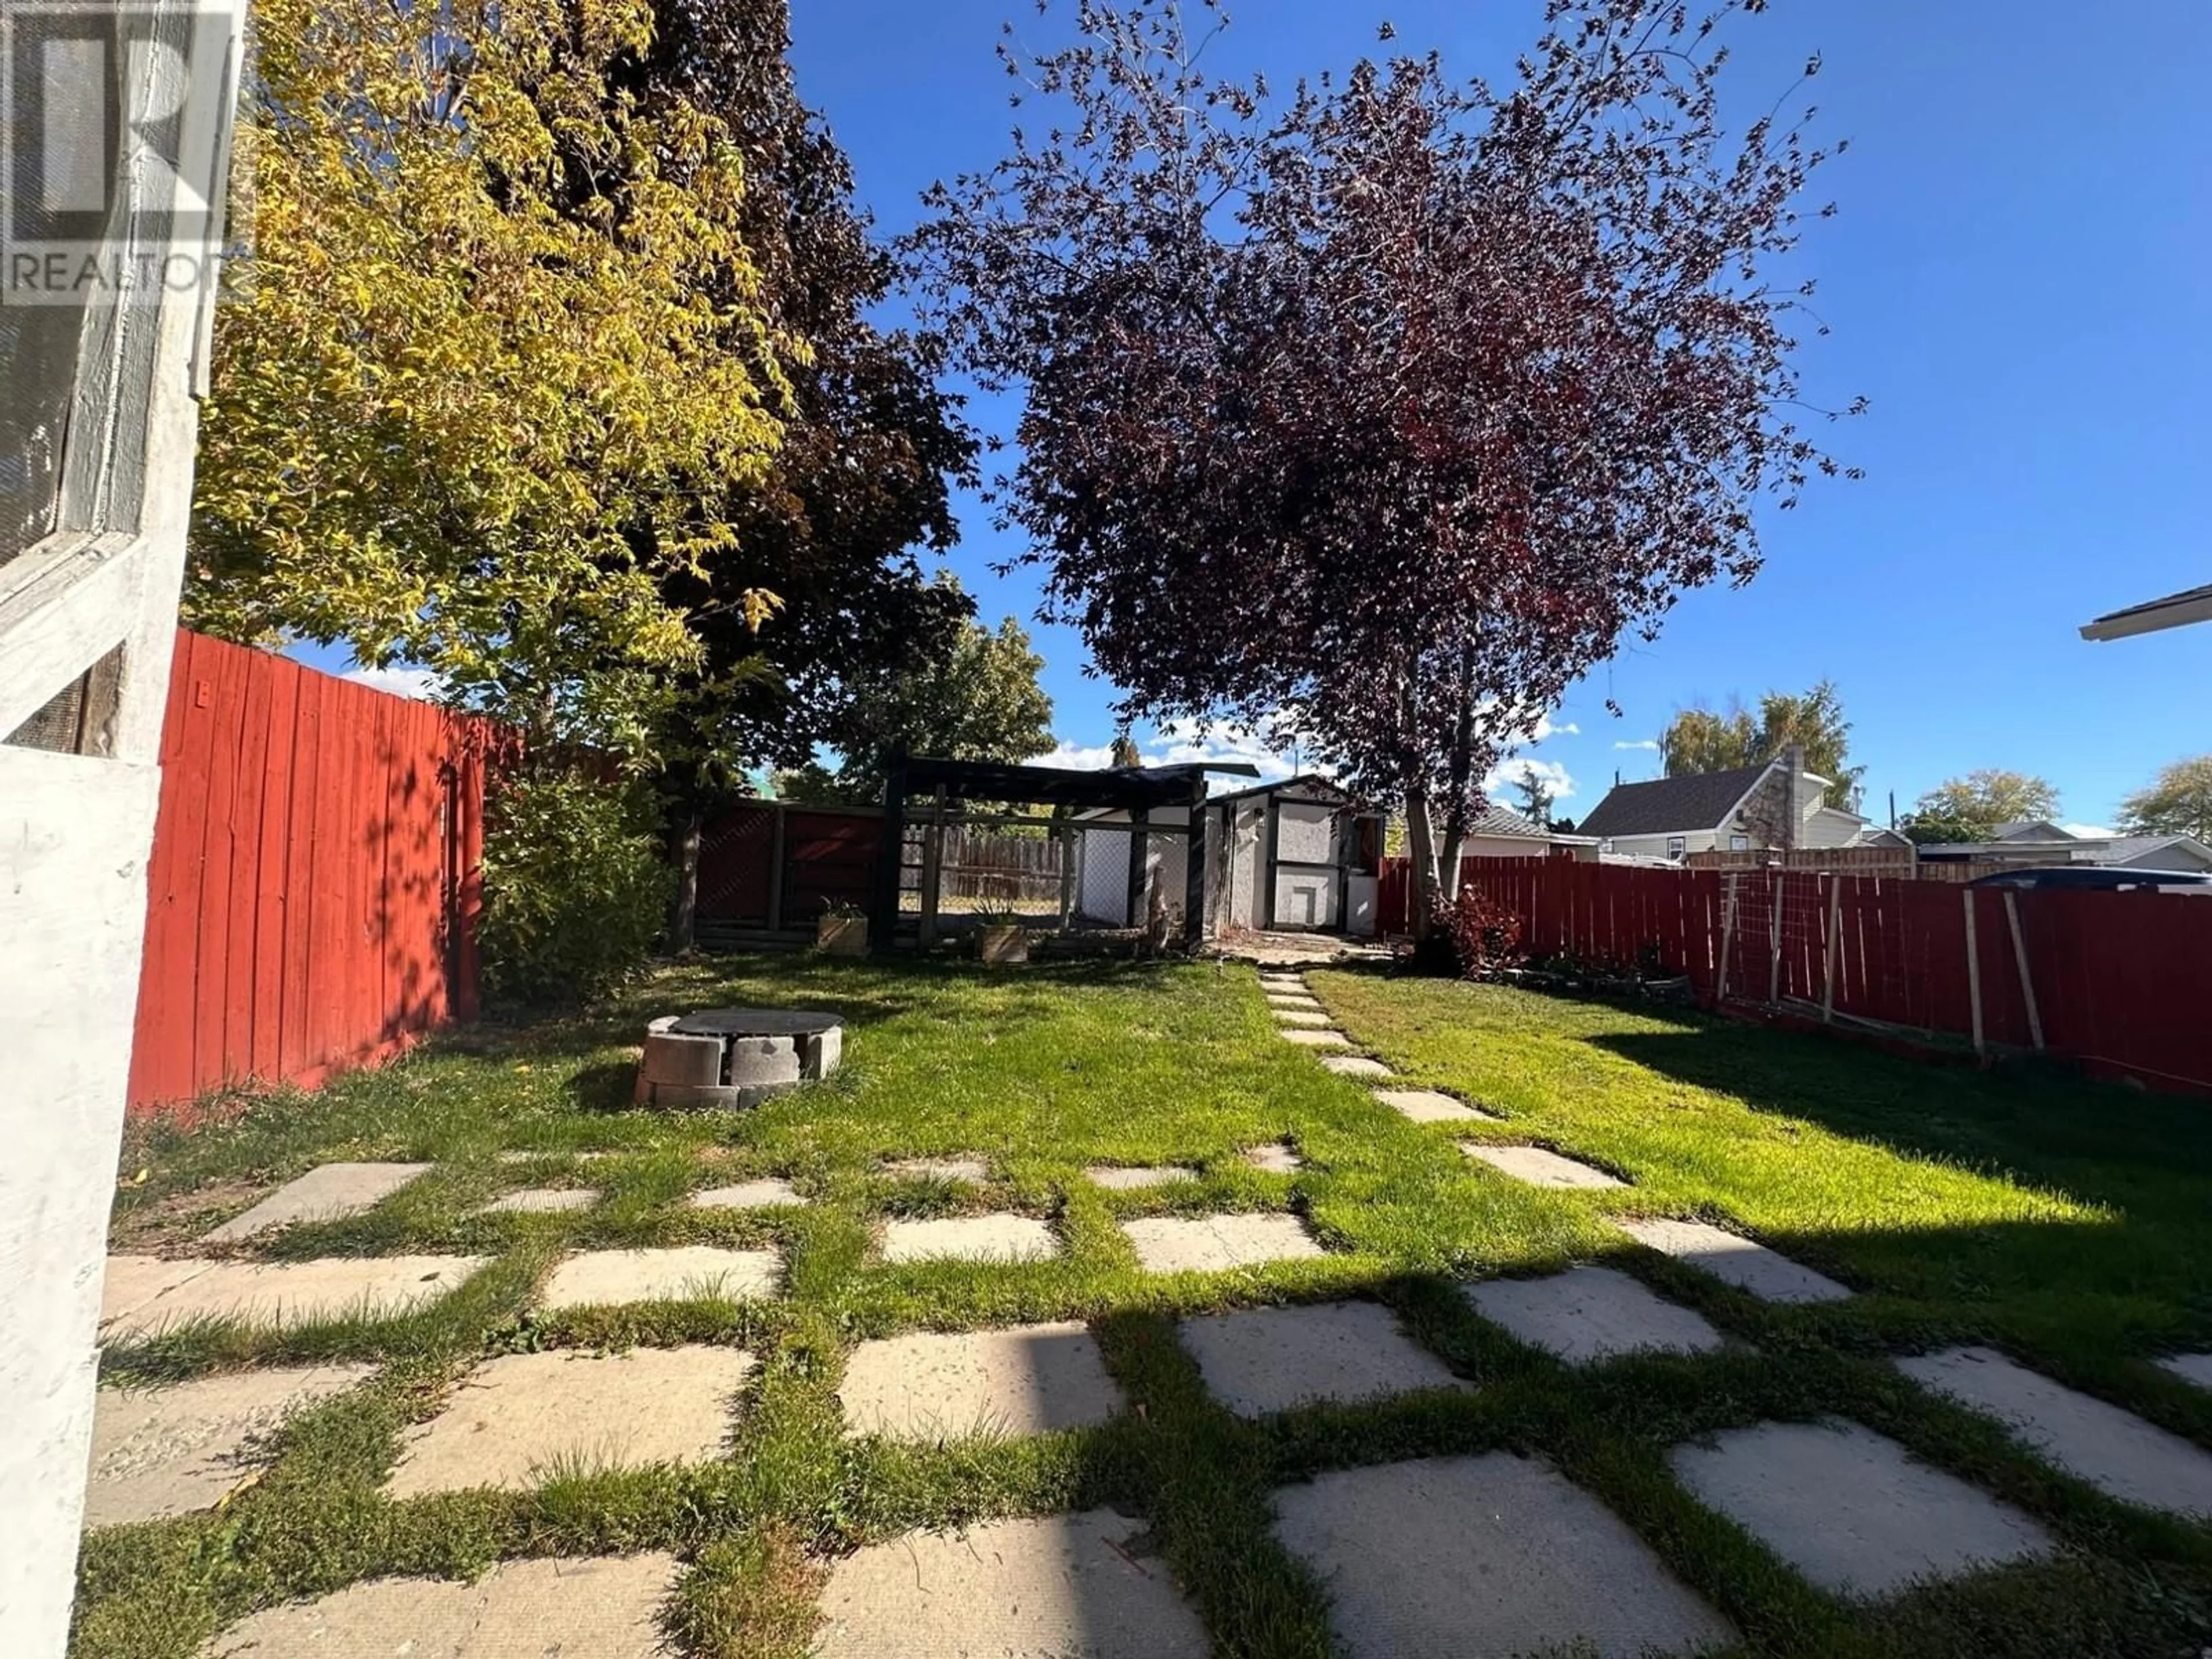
[683,858]
[1421,855]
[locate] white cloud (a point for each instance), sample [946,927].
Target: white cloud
[1175,743]
[1651,744]
[1078,756]
[1504,777]
[2087,831]
[420,683]
[1544,728]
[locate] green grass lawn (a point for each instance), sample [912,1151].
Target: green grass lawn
[2069,1224]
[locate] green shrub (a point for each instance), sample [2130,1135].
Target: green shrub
[576,887]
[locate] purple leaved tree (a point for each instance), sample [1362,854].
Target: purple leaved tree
[1380,413]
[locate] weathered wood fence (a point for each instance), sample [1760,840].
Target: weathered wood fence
[2115,982]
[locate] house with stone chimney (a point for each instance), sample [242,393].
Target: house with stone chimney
[1779,806]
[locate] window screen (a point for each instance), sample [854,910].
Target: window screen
[60,156]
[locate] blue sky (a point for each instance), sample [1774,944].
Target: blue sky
[2016,281]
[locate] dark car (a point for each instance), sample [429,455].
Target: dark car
[2098,878]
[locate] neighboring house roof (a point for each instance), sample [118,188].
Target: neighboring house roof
[2173,611]
[1496,821]
[1874,835]
[1667,806]
[2031,830]
[2186,850]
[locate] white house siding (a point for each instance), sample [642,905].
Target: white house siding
[1827,826]
[1504,847]
[1660,847]
[2181,855]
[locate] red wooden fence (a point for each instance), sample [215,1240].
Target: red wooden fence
[313,875]
[2115,982]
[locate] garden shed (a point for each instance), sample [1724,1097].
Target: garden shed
[1300,855]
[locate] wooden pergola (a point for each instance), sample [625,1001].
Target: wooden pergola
[949,786]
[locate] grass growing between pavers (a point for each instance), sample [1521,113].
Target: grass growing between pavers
[1959,1208]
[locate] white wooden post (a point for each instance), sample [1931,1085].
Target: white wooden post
[76,828]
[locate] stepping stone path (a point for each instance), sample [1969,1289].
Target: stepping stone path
[1355,1066]
[972,1170]
[1485,1557]
[1276,1158]
[748,1196]
[1850,1510]
[1300,999]
[2114,1450]
[1327,1039]
[1271,1359]
[322,1195]
[1292,1019]
[542,1200]
[1215,1243]
[518,1419]
[598,1278]
[606,1608]
[1589,1314]
[1088,1585]
[1030,1380]
[2195,1368]
[1116,1179]
[1538,1167]
[970,1238]
[144,1295]
[160,1452]
[1427,1106]
[1735,1259]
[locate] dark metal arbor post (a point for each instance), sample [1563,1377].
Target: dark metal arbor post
[882,913]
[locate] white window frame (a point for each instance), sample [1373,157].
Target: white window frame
[1677,846]
[1739,843]
[109,573]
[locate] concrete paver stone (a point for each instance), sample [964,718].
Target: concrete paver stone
[1031,1379]
[609,1277]
[1259,1360]
[1537,1166]
[1082,1586]
[1736,1259]
[165,1451]
[1355,1066]
[1215,1243]
[1850,1509]
[519,1418]
[1429,1106]
[283,1293]
[1321,1039]
[1589,1314]
[321,1195]
[604,1608]
[1117,1178]
[542,1200]
[1301,1019]
[2114,1450]
[970,1238]
[1276,1158]
[973,1169]
[748,1196]
[1486,1558]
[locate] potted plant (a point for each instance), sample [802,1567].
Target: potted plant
[1001,937]
[844,929]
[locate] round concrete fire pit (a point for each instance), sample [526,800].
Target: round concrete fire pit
[736,1056]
